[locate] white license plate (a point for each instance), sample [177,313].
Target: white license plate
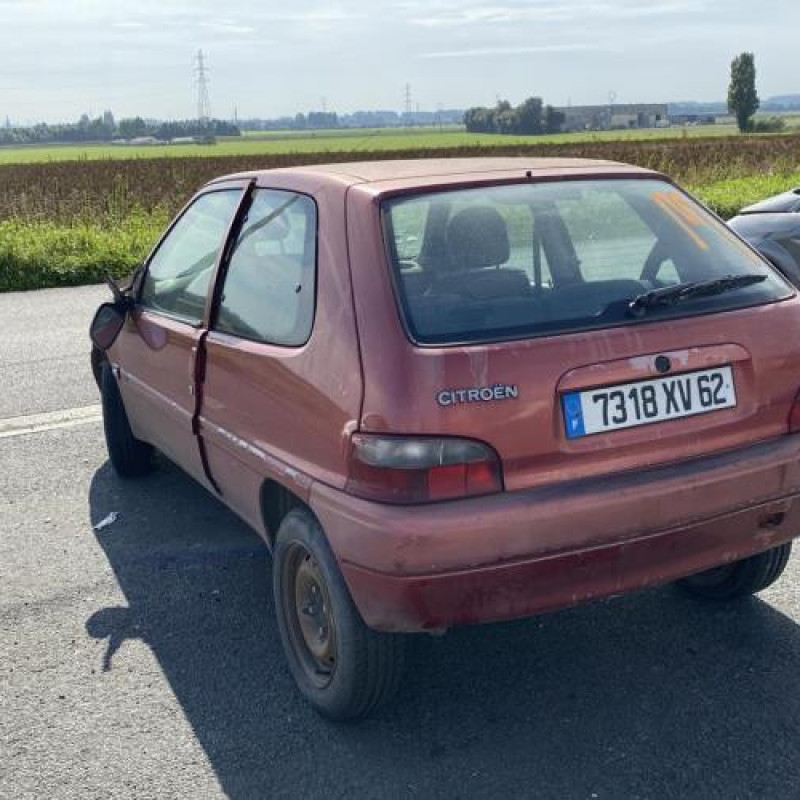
[644,402]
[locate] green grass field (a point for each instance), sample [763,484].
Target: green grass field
[366,140]
[69,215]
[39,254]
[728,196]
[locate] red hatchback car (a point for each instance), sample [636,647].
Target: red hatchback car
[456,391]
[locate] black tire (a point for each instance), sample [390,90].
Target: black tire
[741,578]
[357,669]
[129,456]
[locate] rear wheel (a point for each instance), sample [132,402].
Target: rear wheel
[129,456]
[345,669]
[741,578]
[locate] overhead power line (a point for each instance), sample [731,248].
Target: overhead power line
[201,82]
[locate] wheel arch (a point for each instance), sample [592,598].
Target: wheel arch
[98,358]
[276,501]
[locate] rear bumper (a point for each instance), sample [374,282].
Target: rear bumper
[521,553]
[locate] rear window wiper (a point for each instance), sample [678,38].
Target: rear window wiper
[671,295]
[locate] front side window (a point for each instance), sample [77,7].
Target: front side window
[269,287]
[179,273]
[541,258]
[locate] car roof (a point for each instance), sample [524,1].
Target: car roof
[787,202]
[411,171]
[754,226]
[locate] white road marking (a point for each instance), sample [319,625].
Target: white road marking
[37,423]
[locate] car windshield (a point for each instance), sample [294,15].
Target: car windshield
[534,259]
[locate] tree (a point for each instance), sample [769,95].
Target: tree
[506,121]
[475,120]
[553,120]
[322,120]
[743,99]
[479,120]
[131,128]
[529,116]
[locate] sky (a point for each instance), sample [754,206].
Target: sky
[62,58]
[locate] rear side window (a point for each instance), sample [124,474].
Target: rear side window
[542,258]
[180,271]
[269,286]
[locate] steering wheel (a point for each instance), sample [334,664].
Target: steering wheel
[653,263]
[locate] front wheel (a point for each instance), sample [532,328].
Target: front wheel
[129,456]
[345,669]
[741,578]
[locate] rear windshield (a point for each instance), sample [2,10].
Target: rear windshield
[535,259]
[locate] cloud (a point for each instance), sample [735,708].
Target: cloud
[506,13]
[63,56]
[476,52]
[229,27]
[319,15]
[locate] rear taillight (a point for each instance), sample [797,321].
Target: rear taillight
[395,469]
[794,415]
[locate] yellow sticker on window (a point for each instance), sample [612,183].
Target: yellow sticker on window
[680,210]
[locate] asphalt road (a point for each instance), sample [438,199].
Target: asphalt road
[143,660]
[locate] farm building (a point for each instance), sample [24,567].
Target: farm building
[609,117]
[693,119]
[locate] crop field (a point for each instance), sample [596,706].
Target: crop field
[366,140]
[66,222]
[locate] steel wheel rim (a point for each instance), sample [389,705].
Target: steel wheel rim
[309,614]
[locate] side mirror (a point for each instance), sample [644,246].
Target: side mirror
[106,325]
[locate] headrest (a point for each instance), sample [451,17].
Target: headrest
[494,283]
[276,230]
[262,228]
[477,237]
